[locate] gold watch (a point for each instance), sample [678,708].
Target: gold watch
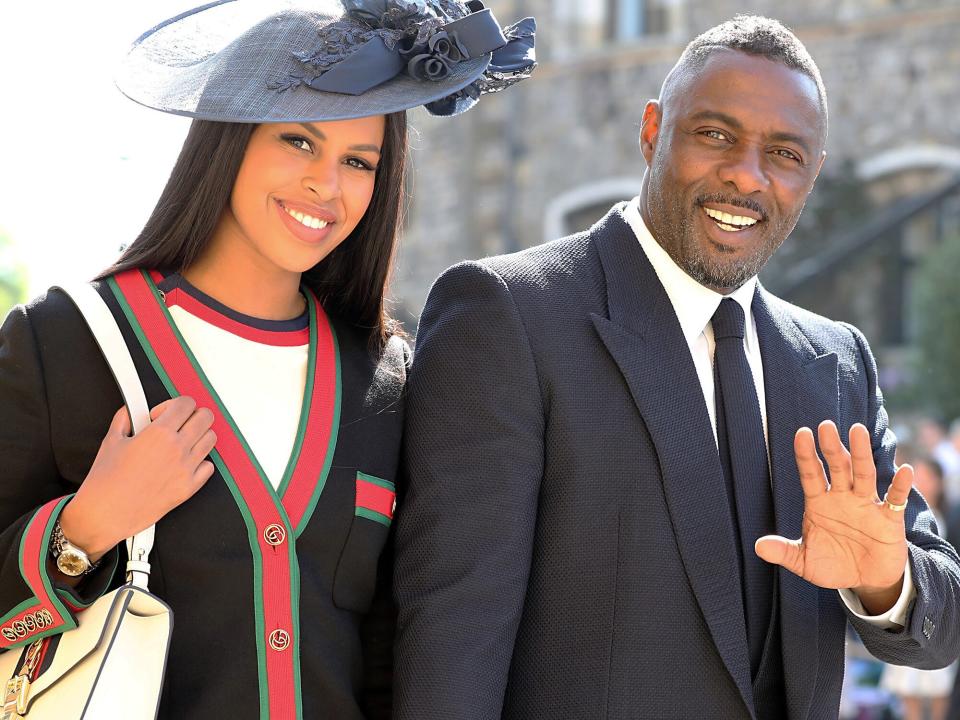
[70,559]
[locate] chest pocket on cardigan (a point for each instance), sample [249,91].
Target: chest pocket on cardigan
[355,580]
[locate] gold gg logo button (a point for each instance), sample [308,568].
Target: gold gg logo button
[274,534]
[279,640]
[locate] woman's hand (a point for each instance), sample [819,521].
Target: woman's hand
[135,481]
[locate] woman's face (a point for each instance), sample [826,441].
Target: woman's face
[301,190]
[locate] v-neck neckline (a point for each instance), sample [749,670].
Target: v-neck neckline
[274,521]
[278,491]
[299,489]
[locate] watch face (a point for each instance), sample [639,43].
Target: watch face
[72,564]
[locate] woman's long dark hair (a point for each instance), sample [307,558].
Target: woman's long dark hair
[351,281]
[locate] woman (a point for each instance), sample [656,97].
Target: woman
[253,306]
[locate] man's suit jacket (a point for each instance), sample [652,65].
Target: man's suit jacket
[564,548]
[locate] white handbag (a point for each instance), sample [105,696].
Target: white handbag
[111,666]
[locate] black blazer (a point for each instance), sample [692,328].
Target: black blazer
[564,550]
[57,398]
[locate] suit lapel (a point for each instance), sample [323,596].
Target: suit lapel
[801,390]
[644,338]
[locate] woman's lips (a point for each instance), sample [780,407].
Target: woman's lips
[309,226]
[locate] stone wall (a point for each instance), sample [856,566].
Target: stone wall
[485,182]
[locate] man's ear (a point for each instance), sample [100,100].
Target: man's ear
[823,157]
[650,129]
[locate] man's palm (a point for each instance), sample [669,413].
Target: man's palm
[850,538]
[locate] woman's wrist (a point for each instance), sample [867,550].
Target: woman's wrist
[81,534]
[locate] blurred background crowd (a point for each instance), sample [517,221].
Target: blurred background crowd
[878,245]
[873,690]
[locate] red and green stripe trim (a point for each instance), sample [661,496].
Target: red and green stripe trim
[34,550]
[279,338]
[276,570]
[157,335]
[312,456]
[376,498]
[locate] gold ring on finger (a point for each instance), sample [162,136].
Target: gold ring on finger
[895,508]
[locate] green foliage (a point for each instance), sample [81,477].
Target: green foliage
[937,378]
[13,277]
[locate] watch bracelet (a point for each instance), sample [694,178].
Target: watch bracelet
[57,541]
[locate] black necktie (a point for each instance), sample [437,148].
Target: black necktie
[743,455]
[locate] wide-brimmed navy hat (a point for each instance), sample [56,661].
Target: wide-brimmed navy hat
[303,61]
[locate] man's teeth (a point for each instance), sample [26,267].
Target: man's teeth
[728,222]
[306,220]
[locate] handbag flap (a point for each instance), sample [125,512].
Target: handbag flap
[98,625]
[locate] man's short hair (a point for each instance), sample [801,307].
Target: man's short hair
[754,35]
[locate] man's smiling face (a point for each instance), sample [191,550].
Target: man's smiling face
[733,150]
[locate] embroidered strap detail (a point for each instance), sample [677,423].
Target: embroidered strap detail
[26,624]
[44,614]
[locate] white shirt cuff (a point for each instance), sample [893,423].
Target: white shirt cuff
[895,617]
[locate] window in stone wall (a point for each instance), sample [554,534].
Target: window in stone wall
[582,218]
[580,207]
[585,25]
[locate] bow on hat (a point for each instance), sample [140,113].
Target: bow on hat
[379,39]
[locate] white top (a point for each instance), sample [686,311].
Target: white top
[694,306]
[258,368]
[260,385]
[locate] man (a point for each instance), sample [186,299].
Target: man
[597,444]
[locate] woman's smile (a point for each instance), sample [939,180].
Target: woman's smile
[317,179]
[308,224]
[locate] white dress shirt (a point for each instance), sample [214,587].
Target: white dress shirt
[694,305]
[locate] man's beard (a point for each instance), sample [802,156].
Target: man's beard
[677,234]
[712,271]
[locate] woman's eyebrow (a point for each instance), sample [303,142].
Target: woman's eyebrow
[319,134]
[313,131]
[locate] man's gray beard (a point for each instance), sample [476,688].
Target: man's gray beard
[706,271]
[681,246]
[699,266]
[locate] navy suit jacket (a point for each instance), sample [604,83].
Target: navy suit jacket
[564,548]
